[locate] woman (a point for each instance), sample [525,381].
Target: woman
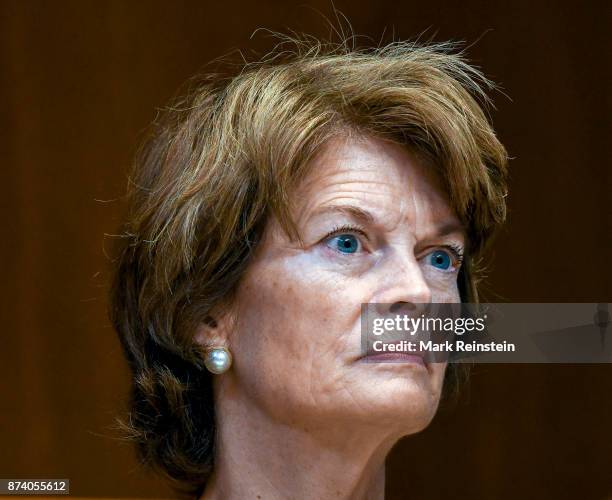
[265,210]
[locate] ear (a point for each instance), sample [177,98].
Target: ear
[214,331]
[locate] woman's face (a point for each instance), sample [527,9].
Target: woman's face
[376,227]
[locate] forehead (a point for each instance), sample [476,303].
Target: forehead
[383,177]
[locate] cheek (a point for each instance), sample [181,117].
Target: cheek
[444,286]
[295,324]
[445,295]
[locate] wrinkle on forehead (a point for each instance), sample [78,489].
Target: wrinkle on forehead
[393,182]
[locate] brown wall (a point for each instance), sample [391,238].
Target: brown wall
[80,80]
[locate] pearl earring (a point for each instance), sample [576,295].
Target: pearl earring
[218,360]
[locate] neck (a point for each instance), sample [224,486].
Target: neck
[260,457]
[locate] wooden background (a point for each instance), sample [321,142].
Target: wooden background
[80,81]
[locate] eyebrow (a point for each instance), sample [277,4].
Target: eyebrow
[449,228]
[351,211]
[367,218]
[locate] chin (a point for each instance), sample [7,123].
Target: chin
[405,406]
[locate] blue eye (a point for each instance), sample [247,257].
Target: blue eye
[440,259]
[345,243]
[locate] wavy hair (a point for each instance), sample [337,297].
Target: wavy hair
[225,157]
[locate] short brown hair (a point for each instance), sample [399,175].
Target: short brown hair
[225,157]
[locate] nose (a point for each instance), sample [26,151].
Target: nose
[404,288]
